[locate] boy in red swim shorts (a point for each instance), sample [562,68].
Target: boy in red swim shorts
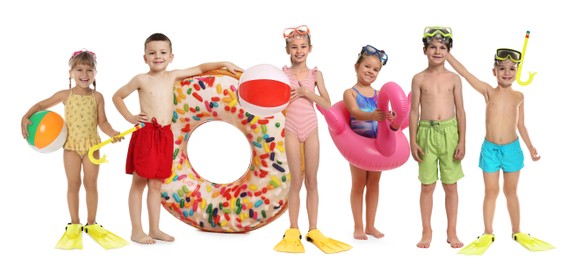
[150,151]
[151,148]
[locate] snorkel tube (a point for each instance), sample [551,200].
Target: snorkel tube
[519,71]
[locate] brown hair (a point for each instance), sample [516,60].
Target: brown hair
[157,37]
[446,41]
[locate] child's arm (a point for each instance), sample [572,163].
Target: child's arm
[323,98]
[524,132]
[58,97]
[460,118]
[103,123]
[205,67]
[119,97]
[480,86]
[414,114]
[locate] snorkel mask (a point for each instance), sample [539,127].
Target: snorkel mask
[296,32]
[443,34]
[370,50]
[508,54]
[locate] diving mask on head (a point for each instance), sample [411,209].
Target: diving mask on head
[444,34]
[368,49]
[300,30]
[508,54]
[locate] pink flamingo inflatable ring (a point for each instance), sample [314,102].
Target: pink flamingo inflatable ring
[389,150]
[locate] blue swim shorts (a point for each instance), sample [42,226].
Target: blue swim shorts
[493,157]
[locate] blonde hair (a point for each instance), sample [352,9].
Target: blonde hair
[308,36]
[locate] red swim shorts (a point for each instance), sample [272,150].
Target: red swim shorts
[150,151]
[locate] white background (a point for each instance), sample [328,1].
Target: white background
[38,37]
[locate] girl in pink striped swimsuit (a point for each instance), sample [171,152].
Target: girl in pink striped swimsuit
[301,138]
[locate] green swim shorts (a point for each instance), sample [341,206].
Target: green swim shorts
[438,140]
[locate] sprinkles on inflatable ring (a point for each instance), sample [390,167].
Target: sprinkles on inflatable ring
[256,198]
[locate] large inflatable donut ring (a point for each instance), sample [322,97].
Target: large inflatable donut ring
[256,198]
[389,150]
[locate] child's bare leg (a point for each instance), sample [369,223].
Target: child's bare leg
[154,207]
[135,206]
[359,181]
[293,150]
[491,190]
[372,202]
[510,187]
[451,205]
[91,186]
[426,204]
[72,166]
[311,168]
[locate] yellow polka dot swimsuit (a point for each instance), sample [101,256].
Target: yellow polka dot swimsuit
[82,123]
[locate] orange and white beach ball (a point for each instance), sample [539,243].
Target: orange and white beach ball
[48,132]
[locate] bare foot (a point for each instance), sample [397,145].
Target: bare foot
[160,235]
[455,243]
[425,240]
[374,232]
[142,238]
[360,235]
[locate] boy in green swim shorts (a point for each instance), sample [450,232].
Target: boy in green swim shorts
[437,128]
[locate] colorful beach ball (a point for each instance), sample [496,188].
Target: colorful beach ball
[264,90]
[47,133]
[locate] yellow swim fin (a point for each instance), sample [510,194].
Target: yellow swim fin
[326,244]
[531,243]
[105,238]
[291,242]
[72,238]
[478,246]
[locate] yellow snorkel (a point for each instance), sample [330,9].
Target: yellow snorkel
[100,145]
[519,72]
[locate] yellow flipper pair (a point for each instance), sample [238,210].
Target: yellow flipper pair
[479,246]
[72,238]
[291,242]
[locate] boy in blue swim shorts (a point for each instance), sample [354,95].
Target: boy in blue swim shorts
[501,147]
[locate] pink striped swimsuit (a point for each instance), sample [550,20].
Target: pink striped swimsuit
[300,118]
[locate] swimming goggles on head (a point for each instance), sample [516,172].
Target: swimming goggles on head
[508,54]
[81,51]
[299,30]
[432,31]
[368,49]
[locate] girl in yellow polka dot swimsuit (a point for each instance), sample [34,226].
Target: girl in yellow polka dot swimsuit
[81,120]
[84,113]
